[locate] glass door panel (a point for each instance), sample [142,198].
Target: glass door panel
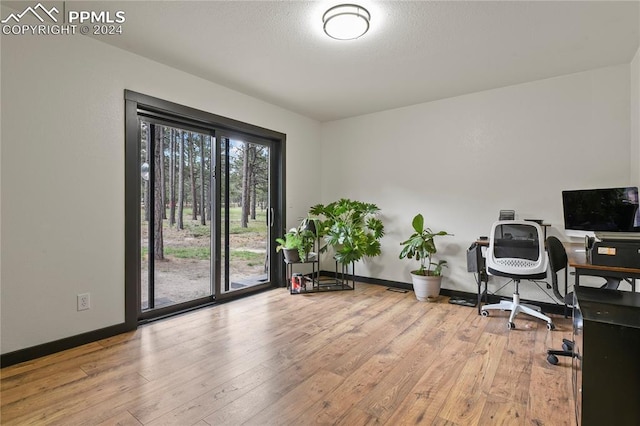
[245,213]
[175,216]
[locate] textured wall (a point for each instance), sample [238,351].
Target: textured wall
[460,160]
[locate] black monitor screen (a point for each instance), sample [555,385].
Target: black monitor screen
[610,209]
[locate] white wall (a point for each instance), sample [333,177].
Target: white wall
[459,161]
[63,175]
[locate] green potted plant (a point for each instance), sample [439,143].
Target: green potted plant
[297,243]
[290,244]
[350,227]
[421,246]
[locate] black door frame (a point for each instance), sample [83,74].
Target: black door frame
[219,247]
[136,105]
[153,311]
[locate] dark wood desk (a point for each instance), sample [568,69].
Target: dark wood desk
[578,260]
[606,372]
[577,257]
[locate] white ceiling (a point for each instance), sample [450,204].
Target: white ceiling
[415,51]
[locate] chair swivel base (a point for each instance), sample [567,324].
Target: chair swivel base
[516,307]
[567,350]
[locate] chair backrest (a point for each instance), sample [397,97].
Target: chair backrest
[516,249]
[557,255]
[557,263]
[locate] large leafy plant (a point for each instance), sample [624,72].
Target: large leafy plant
[350,227]
[422,247]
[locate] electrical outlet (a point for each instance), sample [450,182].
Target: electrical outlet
[84,302]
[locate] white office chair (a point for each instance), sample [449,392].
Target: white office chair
[516,251]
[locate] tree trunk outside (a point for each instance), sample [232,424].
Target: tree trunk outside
[244,222]
[203,219]
[253,183]
[192,176]
[172,177]
[147,156]
[158,243]
[253,198]
[163,186]
[211,170]
[180,221]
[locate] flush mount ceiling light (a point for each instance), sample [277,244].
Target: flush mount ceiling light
[346,21]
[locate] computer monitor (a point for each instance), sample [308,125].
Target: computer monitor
[587,211]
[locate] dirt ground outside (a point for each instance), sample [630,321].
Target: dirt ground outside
[184,274]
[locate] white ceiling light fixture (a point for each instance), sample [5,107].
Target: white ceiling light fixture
[346,21]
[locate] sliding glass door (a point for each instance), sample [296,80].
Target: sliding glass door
[245,213]
[203,197]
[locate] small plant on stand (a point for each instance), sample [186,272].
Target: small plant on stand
[297,243]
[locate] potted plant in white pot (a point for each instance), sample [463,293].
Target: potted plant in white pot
[421,246]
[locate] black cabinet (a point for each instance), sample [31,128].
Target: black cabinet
[606,368]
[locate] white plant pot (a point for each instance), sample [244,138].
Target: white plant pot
[426,288]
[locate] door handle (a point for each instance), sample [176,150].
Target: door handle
[271,215]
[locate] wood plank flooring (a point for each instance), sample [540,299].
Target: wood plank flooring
[368,356]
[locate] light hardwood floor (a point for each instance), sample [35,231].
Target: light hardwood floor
[368,356]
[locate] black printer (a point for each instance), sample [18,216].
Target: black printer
[619,249]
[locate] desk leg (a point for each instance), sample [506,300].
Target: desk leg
[481,273]
[479,282]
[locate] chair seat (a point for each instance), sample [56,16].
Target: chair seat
[516,251]
[538,276]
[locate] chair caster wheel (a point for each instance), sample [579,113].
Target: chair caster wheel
[551,326]
[552,359]
[567,347]
[511,326]
[484,313]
